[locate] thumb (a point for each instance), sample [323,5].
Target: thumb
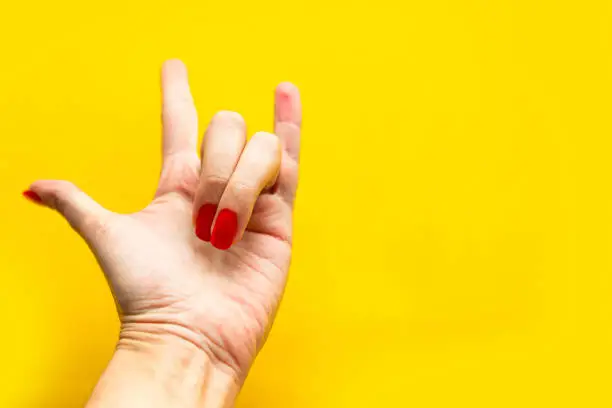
[86,216]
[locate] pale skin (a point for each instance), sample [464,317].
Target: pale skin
[193,317]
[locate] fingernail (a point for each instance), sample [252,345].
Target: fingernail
[32,196]
[225,229]
[204,221]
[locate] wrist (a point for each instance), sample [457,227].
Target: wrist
[167,370]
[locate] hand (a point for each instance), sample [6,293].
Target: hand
[177,274]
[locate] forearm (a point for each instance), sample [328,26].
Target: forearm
[160,373]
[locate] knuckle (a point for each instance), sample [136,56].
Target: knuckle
[61,193]
[95,226]
[57,203]
[243,189]
[180,176]
[180,98]
[64,185]
[266,137]
[229,118]
[266,141]
[215,181]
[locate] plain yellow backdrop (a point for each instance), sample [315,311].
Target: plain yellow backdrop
[453,228]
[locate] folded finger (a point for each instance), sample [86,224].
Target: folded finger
[221,149]
[257,169]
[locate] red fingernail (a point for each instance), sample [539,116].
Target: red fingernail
[225,229]
[32,196]
[204,221]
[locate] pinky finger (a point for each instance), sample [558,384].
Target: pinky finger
[287,125]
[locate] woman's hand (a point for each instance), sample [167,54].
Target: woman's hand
[204,265]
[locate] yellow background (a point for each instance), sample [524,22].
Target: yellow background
[454,217]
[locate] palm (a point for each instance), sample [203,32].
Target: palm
[172,278]
[167,280]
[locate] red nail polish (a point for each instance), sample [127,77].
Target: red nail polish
[32,196]
[225,229]
[204,221]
